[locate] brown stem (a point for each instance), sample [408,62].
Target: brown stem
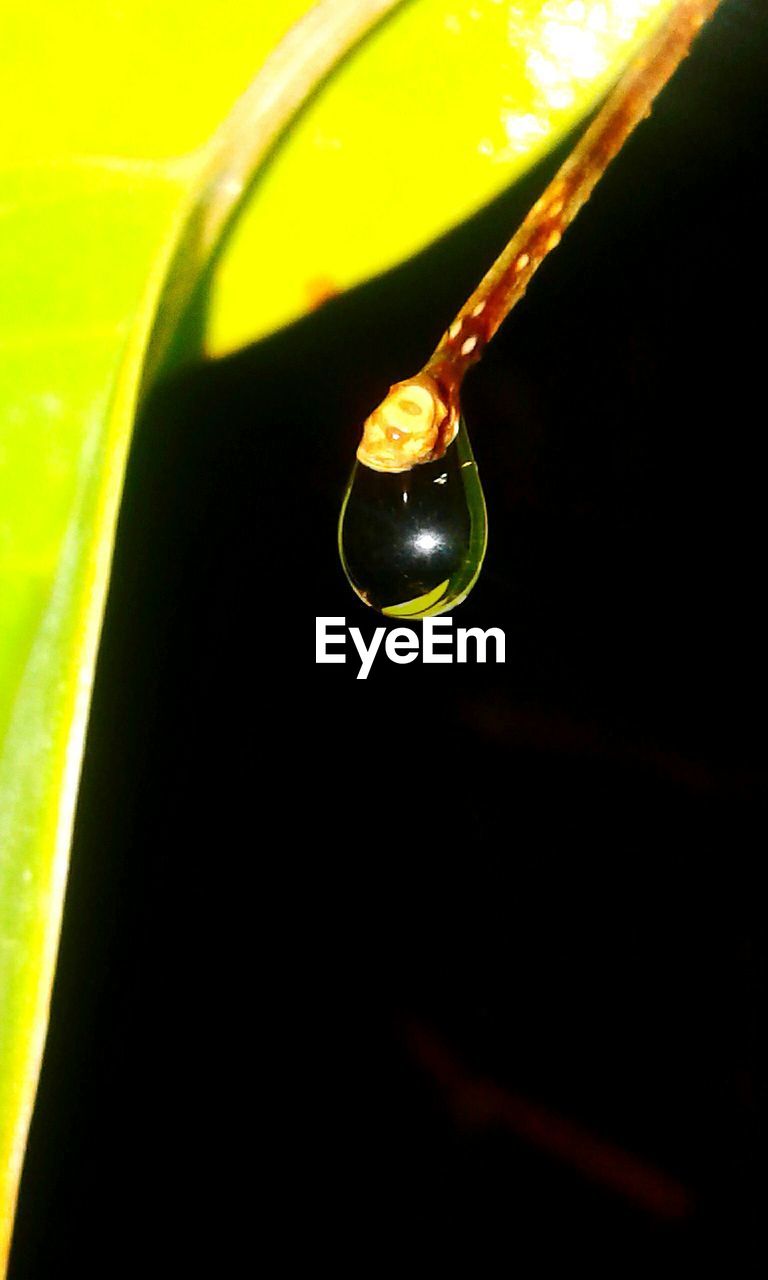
[505,283]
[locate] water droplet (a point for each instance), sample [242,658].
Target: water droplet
[412,542]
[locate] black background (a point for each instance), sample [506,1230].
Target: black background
[301,903]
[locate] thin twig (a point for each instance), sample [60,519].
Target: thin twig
[418,419]
[481,1103]
[629,103]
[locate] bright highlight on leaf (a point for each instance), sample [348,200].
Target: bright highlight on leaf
[112,107]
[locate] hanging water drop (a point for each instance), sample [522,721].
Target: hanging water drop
[412,531]
[412,542]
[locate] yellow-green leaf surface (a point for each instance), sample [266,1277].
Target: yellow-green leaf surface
[116,182]
[451,102]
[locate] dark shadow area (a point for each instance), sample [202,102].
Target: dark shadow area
[394,974]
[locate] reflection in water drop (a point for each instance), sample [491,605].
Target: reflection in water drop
[412,542]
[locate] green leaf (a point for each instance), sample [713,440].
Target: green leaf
[116,185]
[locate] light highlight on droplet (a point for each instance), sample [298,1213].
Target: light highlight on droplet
[412,543]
